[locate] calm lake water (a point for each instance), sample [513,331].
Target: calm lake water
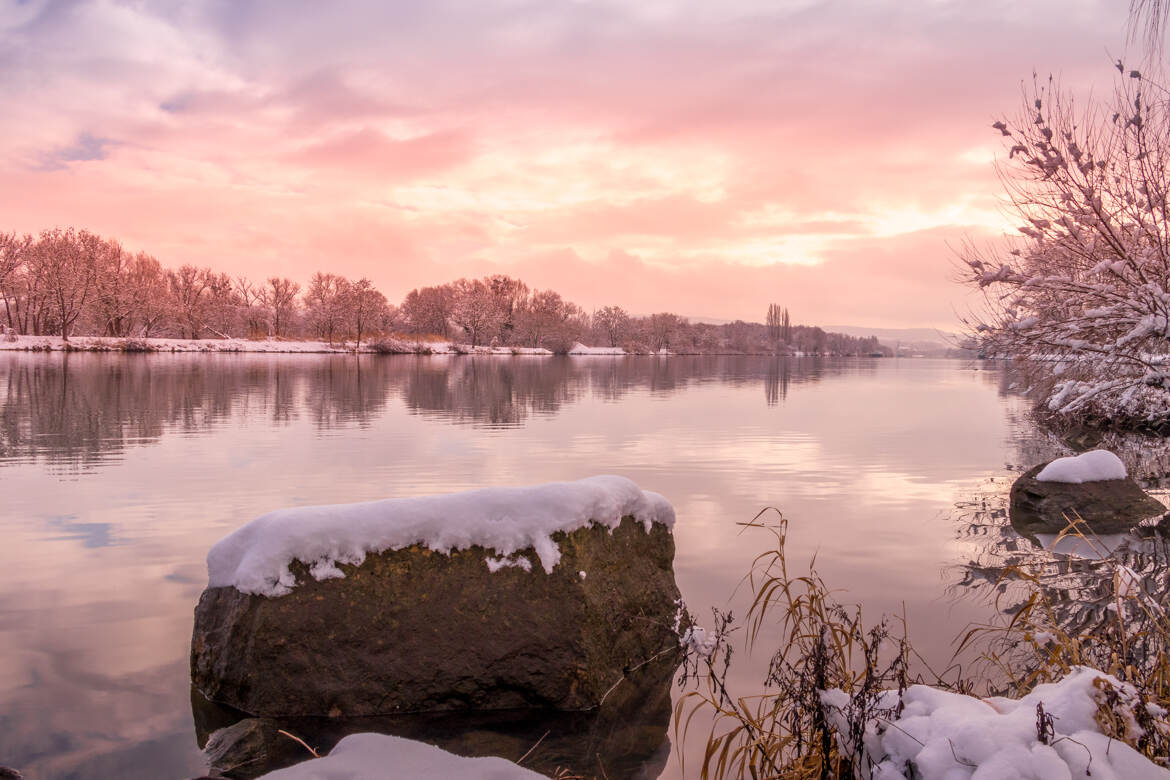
[117,473]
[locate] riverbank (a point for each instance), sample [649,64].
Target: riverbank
[389,346]
[381,346]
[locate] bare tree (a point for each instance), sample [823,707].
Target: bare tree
[155,304]
[114,301]
[325,304]
[13,249]
[613,322]
[188,287]
[222,313]
[252,311]
[365,307]
[65,262]
[774,324]
[540,316]
[476,310]
[429,309]
[663,327]
[13,254]
[510,295]
[280,297]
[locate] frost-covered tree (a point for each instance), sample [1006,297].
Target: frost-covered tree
[541,316]
[13,250]
[187,289]
[429,310]
[253,314]
[511,296]
[325,304]
[65,263]
[614,322]
[280,298]
[477,310]
[149,281]
[365,308]
[662,328]
[1084,297]
[13,255]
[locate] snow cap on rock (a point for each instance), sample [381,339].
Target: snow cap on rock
[1093,466]
[255,558]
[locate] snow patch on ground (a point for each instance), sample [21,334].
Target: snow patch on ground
[256,557]
[1093,466]
[581,349]
[948,736]
[365,756]
[375,345]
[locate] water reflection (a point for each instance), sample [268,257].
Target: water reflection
[118,473]
[1004,568]
[626,738]
[80,410]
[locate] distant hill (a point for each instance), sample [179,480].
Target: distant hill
[917,341]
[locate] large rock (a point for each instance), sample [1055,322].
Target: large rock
[416,630]
[1108,506]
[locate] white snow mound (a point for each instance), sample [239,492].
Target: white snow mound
[255,558]
[948,736]
[1092,466]
[365,756]
[581,349]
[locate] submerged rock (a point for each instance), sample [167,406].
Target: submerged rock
[417,630]
[250,747]
[1108,506]
[626,737]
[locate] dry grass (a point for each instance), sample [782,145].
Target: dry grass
[782,730]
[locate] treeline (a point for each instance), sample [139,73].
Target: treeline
[72,282]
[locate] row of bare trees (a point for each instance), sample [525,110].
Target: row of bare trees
[67,282]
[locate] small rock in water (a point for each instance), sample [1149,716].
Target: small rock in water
[250,748]
[1107,506]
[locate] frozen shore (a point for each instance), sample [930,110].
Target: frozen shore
[375,346]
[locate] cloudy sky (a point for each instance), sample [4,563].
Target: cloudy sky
[687,155]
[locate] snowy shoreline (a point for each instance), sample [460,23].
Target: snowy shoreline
[386,346]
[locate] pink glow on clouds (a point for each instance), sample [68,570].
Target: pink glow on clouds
[705,158]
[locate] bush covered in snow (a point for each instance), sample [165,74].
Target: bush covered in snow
[1085,297]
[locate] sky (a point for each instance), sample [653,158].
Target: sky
[706,158]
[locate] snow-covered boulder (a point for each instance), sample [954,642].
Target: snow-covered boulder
[499,598]
[1093,485]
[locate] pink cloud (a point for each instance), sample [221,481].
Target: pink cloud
[701,158]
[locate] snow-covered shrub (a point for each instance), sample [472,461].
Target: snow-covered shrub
[135,345]
[1085,295]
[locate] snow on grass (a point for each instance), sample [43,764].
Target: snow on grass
[375,345]
[941,735]
[1093,466]
[256,557]
[364,756]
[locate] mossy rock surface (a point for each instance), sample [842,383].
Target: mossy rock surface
[413,630]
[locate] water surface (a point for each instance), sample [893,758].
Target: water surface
[117,473]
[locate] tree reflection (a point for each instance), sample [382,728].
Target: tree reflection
[77,411]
